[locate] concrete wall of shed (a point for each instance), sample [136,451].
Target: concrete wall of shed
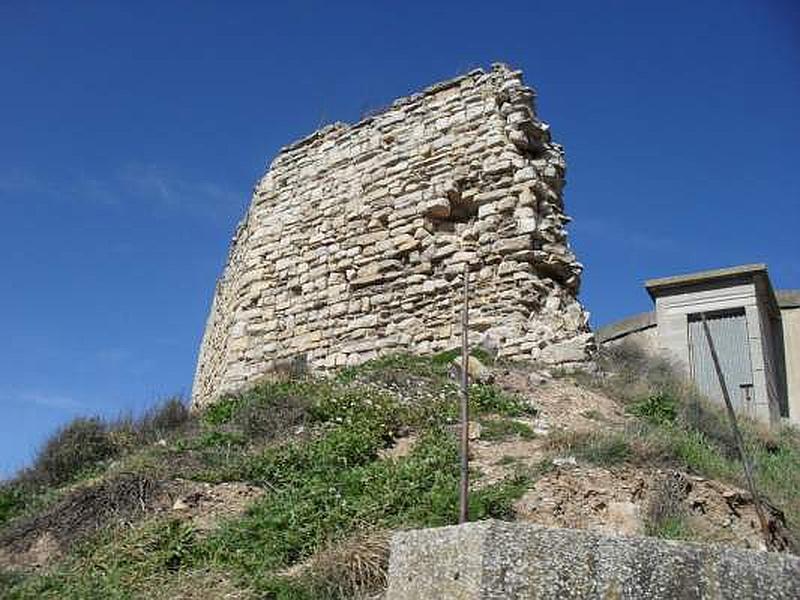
[790,320]
[672,313]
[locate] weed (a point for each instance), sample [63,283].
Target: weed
[659,409]
[497,501]
[221,411]
[447,357]
[427,367]
[489,399]
[501,429]
[175,548]
[121,562]
[672,528]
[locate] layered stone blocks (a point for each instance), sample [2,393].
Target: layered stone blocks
[357,237]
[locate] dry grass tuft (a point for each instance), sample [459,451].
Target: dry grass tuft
[597,447]
[353,567]
[665,513]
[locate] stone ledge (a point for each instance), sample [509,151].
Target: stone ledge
[494,560]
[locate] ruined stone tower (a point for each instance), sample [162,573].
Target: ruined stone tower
[355,241]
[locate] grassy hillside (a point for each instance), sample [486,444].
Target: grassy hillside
[313,446]
[291,489]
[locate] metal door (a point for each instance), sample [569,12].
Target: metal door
[729,331]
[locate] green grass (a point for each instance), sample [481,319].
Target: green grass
[673,528]
[503,429]
[491,399]
[321,485]
[659,408]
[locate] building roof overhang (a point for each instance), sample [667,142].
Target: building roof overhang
[756,272]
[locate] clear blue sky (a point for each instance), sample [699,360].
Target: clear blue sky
[132,133]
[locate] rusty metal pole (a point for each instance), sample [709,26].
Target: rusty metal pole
[748,473]
[464,490]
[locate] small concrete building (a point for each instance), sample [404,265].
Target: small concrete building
[756,333]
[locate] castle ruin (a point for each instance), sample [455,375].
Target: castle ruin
[357,237]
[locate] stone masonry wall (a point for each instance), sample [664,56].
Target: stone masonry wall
[356,239]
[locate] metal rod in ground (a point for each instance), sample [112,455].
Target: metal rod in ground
[748,473]
[464,490]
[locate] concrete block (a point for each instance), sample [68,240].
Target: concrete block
[495,560]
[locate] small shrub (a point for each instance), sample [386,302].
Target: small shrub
[221,411]
[608,450]
[71,451]
[269,418]
[166,417]
[628,373]
[497,501]
[659,409]
[13,499]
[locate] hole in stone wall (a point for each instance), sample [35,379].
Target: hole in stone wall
[462,211]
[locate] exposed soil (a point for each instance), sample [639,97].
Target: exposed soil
[124,499]
[616,500]
[34,541]
[561,403]
[204,505]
